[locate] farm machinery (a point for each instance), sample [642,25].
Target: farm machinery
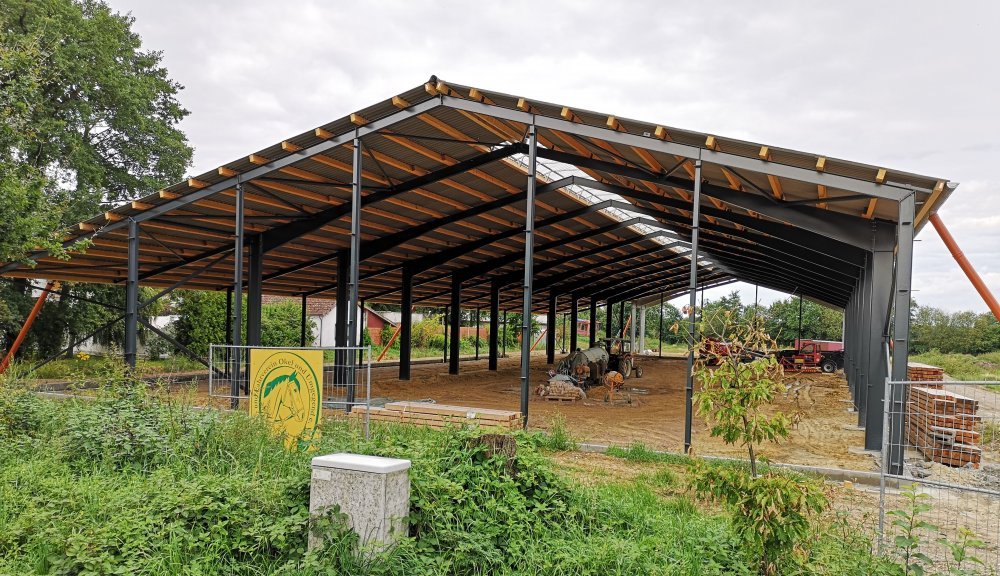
[812,357]
[586,368]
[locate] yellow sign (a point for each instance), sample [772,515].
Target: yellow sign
[285,387]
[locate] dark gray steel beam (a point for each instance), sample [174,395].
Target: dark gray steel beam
[529,255]
[303,320]
[132,296]
[255,291]
[593,321]
[494,326]
[574,319]
[455,324]
[340,326]
[668,283]
[878,370]
[550,330]
[236,337]
[405,325]
[901,332]
[511,277]
[692,287]
[608,311]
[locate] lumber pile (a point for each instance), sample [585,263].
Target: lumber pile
[916,372]
[440,415]
[944,426]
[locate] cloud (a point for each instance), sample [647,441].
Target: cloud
[908,85]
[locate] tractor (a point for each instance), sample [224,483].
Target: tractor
[620,358]
[811,358]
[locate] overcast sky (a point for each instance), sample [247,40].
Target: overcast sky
[907,85]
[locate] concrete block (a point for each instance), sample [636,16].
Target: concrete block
[373,492]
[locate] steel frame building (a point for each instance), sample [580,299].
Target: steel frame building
[436,197]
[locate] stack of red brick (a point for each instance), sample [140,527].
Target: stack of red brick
[941,424]
[924,373]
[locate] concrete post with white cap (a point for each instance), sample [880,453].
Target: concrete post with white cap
[373,492]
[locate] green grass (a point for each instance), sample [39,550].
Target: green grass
[131,484]
[75,368]
[963,366]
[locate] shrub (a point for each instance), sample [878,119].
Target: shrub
[770,512]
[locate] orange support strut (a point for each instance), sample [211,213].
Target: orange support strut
[965,265]
[27,326]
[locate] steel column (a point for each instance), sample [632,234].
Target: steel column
[131,295]
[659,330]
[236,336]
[302,321]
[609,313]
[229,315]
[455,321]
[355,264]
[550,330]
[878,371]
[574,320]
[494,326]
[406,325]
[621,321]
[529,257]
[593,322]
[478,314]
[340,315]
[562,347]
[633,325]
[863,317]
[340,321]
[504,333]
[255,291]
[901,330]
[692,302]
[444,322]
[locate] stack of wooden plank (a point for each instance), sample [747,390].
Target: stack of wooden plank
[916,372]
[440,415]
[944,426]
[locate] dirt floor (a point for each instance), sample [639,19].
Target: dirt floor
[823,436]
[824,433]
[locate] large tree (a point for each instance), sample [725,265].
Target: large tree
[90,119]
[104,113]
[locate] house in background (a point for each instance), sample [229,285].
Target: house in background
[322,313]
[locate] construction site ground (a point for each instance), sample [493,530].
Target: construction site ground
[824,435]
[824,432]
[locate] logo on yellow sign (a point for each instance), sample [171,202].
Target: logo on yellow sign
[285,388]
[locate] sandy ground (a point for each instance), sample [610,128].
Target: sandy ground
[655,417]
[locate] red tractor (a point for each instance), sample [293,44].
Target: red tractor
[811,358]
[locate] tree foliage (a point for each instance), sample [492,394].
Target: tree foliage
[104,112]
[201,320]
[963,332]
[770,510]
[90,119]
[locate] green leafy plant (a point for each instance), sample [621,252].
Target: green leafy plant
[961,553]
[736,384]
[911,527]
[771,510]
